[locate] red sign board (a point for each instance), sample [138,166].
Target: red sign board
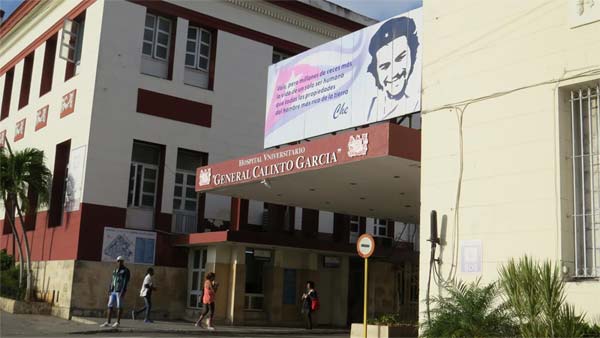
[320,153]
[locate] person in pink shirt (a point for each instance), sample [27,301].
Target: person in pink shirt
[208,300]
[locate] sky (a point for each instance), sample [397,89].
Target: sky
[377,9]
[9,6]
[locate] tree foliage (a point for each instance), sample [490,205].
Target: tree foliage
[535,293]
[469,310]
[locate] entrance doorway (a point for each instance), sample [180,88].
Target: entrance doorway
[355,290]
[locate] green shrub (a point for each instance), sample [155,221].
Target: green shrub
[535,293]
[469,310]
[9,278]
[390,319]
[6,260]
[592,330]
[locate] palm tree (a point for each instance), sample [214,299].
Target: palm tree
[23,174]
[535,293]
[469,310]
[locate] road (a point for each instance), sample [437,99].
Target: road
[12,325]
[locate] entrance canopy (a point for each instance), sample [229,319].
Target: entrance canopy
[372,171]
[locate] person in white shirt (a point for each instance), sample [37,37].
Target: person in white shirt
[146,293]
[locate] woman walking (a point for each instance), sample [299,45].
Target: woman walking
[310,303]
[208,301]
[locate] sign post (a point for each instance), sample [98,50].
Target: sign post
[365,247]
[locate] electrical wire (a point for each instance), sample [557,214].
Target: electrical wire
[460,107]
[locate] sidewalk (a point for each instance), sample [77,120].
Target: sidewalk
[187,328]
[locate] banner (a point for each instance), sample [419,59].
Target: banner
[134,245]
[368,76]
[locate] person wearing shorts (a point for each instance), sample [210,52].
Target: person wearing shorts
[116,291]
[208,301]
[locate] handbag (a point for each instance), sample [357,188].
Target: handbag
[314,303]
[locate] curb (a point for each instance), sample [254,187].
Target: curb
[211,333]
[82,320]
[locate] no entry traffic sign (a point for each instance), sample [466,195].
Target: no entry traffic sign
[365,246]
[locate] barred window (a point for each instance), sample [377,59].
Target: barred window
[585,124]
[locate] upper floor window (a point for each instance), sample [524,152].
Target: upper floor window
[279,56]
[71,44]
[354,228]
[7,93]
[185,197]
[157,37]
[380,227]
[197,52]
[26,80]
[143,175]
[48,66]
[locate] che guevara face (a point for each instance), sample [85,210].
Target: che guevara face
[393,66]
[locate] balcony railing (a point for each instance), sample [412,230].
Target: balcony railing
[184,223]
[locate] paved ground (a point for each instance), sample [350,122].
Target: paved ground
[46,326]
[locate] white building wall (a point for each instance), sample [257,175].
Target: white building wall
[75,126]
[237,99]
[515,187]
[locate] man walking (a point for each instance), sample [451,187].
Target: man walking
[116,291]
[146,293]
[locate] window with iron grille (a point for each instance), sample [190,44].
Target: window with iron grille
[585,131]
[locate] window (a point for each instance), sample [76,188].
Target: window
[380,227]
[31,212]
[401,284]
[585,131]
[279,56]
[71,43]
[143,176]
[289,286]
[256,260]
[157,37]
[7,93]
[410,121]
[48,66]
[197,269]
[26,81]
[414,285]
[185,197]
[197,52]
[59,183]
[354,228]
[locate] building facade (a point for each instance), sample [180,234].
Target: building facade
[510,112]
[127,99]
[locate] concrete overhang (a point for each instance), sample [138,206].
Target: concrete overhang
[372,171]
[398,252]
